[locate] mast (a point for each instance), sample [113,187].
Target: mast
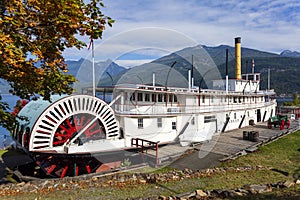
[226,84]
[269,79]
[192,71]
[93,66]
[253,65]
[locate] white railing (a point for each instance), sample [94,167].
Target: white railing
[163,109]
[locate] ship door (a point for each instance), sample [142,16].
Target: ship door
[258,115]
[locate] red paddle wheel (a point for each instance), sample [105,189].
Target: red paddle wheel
[81,123]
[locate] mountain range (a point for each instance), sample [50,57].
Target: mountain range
[208,63]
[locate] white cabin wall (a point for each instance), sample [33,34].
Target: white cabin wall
[150,130]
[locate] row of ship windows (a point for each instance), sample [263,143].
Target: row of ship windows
[146,97]
[234,99]
[153,97]
[160,122]
[207,119]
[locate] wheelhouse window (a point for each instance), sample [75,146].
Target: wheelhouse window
[175,98]
[140,96]
[153,97]
[132,97]
[159,97]
[140,123]
[147,97]
[165,98]
[170,98]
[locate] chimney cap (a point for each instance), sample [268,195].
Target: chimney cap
[237,40]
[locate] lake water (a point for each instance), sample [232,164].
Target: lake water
[5,139]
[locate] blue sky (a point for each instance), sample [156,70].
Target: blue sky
[163,26]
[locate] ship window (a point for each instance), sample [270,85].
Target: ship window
[147,97]
[140,123]
[234,115]
[212,98]
[210,118]
[159,98]
[173,125]
[234,100]
[153,97]
[248,113]
[240,99]
[140,96]
[193,121]
[159,122]
[203,99]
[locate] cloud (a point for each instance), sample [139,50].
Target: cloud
[270,25]
[132,63]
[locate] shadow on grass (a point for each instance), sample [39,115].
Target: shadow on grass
[292,195]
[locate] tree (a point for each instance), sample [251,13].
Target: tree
[295,99]
[33,36]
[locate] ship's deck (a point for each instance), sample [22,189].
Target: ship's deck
[224,146]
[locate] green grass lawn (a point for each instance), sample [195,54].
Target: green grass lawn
[279,160]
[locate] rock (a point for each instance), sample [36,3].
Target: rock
[121,179]
[191,195]
[94,179]
[258,189]
[237,193]
[142,181]
[289,183]
[21,184]
[201,193]
[242,191]
[162,197]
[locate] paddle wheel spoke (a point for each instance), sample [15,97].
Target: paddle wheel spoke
[50,169]
[62,166]
[88,169]
[63,174]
